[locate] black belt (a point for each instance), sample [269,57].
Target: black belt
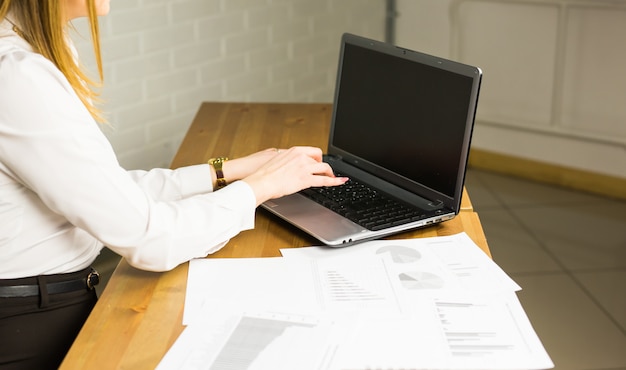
[89,282]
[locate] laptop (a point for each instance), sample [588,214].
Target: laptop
[402,124]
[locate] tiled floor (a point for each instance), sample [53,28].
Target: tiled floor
[567,250]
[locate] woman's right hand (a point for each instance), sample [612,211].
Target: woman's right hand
[289,171]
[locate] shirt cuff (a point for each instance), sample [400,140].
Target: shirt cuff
[241,197]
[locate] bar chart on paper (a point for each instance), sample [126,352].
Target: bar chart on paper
[340,289]
[253,338]
[479,329]
[252,341]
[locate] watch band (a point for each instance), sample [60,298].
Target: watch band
[217,163]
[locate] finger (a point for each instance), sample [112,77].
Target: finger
[309,151]
[319,181]
[321,168]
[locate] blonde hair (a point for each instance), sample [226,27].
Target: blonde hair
[42,24]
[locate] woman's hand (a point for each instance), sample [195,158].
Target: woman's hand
[239,168]
[283,172]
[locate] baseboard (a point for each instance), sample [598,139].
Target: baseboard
[596,183]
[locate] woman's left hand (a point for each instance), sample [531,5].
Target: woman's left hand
[239,168]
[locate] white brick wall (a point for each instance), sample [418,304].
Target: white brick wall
[163,58]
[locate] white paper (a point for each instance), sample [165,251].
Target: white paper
[456,332]
[303,285]
[221,285]
[254,341]
[437,263]
[432,303]
[472,332]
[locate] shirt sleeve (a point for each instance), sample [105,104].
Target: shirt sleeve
[155,219]
[165,184]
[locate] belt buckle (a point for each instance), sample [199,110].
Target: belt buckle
[93,279]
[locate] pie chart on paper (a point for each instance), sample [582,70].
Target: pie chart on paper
[400,254]
[420,280]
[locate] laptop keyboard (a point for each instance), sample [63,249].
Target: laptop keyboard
[364,205]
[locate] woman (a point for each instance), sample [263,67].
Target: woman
[63,194]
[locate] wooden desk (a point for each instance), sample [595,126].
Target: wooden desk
[139,314]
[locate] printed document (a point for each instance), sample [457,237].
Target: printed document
[431,303]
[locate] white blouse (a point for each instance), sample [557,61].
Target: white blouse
[63,194]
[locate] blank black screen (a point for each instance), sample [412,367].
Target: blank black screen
[402,115]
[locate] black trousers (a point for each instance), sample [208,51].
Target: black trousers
[36,332]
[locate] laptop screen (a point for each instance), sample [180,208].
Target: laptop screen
[404,112]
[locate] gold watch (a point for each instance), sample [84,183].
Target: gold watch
[217,163]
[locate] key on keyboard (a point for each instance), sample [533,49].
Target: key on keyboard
[364,206]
